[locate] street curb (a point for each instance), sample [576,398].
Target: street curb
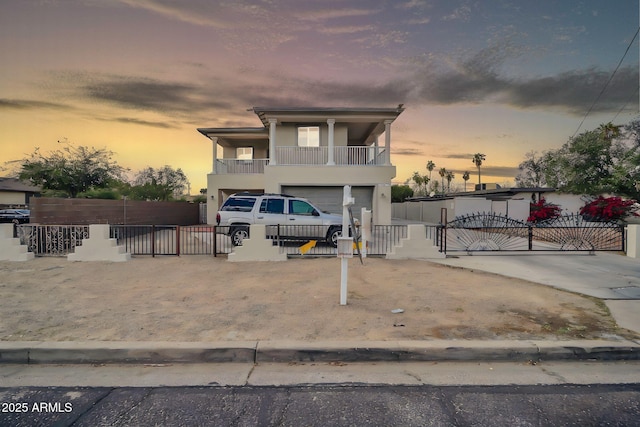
[113,352]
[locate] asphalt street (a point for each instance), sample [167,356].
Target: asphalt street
[581,393]
[330,405]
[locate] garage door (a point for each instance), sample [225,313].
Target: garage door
[330,198]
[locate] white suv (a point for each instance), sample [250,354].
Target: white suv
[297,218]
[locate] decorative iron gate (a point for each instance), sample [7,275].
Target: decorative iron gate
[51,240]
[492,232]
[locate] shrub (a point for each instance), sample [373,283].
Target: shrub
[608,209]
[543,211]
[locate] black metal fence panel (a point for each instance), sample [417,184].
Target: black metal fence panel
[147,239]
[384,238]
[491,232]
[301,240]
[205,240]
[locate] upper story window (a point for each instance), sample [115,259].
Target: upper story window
[244,153]
[309,136]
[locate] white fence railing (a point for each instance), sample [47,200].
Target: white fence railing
[224,166]
[304,156]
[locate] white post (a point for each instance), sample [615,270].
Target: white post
[272,141]
[214,143]
[365,230]
[330,160]
[387,141]
[345,243]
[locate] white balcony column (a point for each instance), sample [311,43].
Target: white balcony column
[272,141]
[214,144]
[376,150]
[330,160]
[387,141]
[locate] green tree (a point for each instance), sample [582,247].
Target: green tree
[609,131]
[583,165]
[477,160]
[604,160]
[532,171]
[71,170]
[164,183]
[399,193]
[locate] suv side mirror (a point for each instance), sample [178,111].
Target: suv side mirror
[315,213]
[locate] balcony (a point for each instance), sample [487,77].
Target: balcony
[306,156]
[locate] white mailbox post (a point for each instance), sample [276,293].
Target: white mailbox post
[345,243]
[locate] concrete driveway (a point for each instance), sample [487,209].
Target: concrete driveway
[611,277]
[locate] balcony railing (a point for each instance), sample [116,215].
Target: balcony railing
[342,156]
[234,166]
[306,156]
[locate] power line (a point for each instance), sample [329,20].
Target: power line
[633,95]
[607,84]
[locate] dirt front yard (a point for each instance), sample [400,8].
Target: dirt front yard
[200,298]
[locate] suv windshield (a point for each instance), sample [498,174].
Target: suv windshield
[244,204]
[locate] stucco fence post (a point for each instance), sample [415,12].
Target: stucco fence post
[416,245]
[99,247]
[633,241]
[10,247]
[257,247]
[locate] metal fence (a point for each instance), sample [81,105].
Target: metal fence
[492,232]
[51,240]
[470,234]
[172,239]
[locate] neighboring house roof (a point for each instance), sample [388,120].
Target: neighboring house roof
[13,184]
[364,124]
[226,135]
[493,194]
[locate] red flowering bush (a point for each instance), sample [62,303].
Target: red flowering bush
[543,211]
[608,209]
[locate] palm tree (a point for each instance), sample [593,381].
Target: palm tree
[477,160]
[449,176]
[421,183]
[430,167]
[465,176]
[609,131]
[443,173]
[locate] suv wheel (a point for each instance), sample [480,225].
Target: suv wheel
[238,234]
[332,236]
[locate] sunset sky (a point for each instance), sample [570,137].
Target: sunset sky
[499,77]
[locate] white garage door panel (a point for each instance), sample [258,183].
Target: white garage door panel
[330,198]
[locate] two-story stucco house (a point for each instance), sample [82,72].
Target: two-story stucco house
[307,152]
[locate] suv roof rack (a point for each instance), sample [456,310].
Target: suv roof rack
[247,193]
